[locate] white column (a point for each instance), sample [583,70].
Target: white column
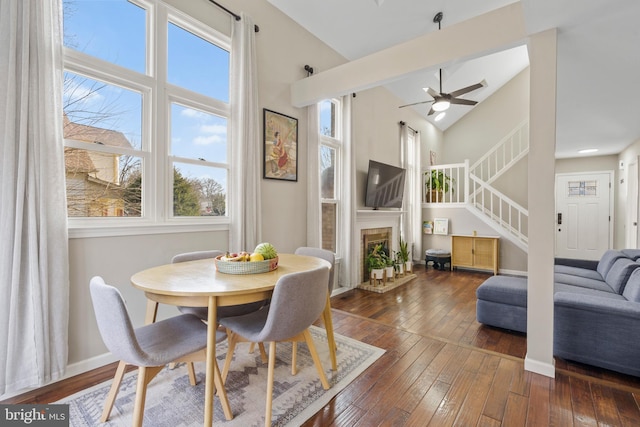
[542,133]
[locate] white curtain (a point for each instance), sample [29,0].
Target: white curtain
[34,274]
[412,217]
[314,208]
[246,225]
[348,240]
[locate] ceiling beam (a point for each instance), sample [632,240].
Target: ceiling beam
[488,33]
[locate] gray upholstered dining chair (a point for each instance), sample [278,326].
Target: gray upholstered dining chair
[150,347]
[326,314]
[297,301]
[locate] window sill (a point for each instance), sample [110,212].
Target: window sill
[89,231]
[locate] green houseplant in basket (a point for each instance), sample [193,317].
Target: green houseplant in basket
[436,184]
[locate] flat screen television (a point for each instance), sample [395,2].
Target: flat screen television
[385,186]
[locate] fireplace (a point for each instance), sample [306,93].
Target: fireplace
[371,237]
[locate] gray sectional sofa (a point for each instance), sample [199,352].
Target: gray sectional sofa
[596,309]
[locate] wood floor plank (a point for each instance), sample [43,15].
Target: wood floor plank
[560,411]
[538,409]
[515,411]
[499,391]
[583,407]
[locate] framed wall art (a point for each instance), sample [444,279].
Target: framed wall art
[280,147]
[440,226]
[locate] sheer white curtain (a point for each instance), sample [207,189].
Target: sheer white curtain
[348,242]
[246,225]
[34,272]
[412,218]
[314,208]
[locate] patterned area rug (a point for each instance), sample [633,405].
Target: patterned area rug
[172,401]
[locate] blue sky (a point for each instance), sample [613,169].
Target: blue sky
[115,31]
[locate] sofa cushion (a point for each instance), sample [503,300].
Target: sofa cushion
[607,260]
[563,287]
[619,274]
[577,271]
[633,254]
[584,282]
[632,290]
[504,289]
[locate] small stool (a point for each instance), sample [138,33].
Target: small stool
[439,257]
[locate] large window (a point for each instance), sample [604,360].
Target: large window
[146,113]
[330,150]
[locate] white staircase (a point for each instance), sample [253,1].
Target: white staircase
[503,214]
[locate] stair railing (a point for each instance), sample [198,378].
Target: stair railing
[503,155]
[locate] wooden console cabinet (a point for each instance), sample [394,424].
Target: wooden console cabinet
[480,252]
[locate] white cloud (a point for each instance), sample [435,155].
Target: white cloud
[208,140]
[190,112]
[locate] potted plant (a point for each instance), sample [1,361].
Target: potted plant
[399,264]
[389,268]
[436,184]
[376,263]
[404,255]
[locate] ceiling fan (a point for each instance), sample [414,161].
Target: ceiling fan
[441,100]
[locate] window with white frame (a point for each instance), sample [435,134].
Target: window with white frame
[331,145]
[146,113]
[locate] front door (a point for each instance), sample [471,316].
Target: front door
[583,216]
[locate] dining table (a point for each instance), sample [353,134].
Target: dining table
[200,284]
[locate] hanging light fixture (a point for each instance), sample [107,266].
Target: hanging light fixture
[441,104]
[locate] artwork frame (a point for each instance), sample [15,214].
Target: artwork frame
[280,146]
[441,226]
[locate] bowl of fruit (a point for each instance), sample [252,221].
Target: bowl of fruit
[263,259]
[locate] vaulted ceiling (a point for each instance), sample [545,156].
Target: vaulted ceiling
[598,57]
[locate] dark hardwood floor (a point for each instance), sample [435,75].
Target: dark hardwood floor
[443,368]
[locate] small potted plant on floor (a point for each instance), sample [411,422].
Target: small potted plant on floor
[376,263]
[399,264]
[389,268]
[405,255]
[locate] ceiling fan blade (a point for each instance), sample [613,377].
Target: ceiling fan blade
[468,89]
[415,103]
[432,92]
[431,111]
[461,101]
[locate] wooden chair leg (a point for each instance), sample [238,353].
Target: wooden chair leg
[145,375]
[113,392]
[316,359]
[232,339]
[331,340]
[263,352]
[294,357]
[222,392]
[192,373]
[272,365]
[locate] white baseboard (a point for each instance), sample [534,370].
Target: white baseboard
[538,367]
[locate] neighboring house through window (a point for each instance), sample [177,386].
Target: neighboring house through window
[146,113]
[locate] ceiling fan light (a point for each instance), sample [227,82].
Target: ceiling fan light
[441,105]
[440,116]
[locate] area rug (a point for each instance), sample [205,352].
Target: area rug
[173,402]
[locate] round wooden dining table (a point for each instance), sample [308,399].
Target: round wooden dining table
[199,284]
